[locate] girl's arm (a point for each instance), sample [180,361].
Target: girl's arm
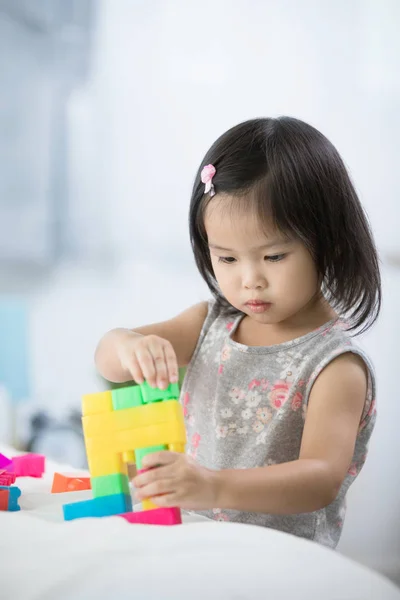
[182,332]
[313,481]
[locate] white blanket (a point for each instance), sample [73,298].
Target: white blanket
[42,557]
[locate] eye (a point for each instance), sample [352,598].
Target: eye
[226,259]
[275,257]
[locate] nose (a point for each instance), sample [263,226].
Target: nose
[254,278]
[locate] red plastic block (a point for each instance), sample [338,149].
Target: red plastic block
[4,499]
[13,493]
[27,465]
[7,478]
[155,516]
[64,482]
[4,461]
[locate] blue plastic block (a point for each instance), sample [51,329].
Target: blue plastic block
[14,494]
[103,506]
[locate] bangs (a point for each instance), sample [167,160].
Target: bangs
[256,202]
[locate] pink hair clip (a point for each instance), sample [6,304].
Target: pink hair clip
[207,175]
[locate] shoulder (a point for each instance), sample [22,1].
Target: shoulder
[337,364]
[334,351]
[347,374]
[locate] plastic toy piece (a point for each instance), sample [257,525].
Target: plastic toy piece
[146,504]
[13,494]
[63,482]
[132,418]
[128,456]
[104,506]
[156,516]
[7,478]
[93,404]
[107,485]
[127,397]
[120,428]
[4,494]
[140,453]
[98,447]
[27,465]
[105,463]
[4,461]
[157,395]
[176,447]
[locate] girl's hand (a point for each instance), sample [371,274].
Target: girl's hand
[175,479]
[148,357]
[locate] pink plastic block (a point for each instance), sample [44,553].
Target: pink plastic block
[27,465]
[155,516]
[4,461]
[7,478]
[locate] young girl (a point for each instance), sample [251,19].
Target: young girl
[279,402]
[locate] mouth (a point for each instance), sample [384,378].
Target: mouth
[258,306]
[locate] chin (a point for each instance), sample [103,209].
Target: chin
[262,318]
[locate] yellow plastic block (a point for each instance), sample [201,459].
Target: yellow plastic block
[93,404]
[129,456]
[176,447]
[104,462]
[131,418]
[114,442]
[148,505]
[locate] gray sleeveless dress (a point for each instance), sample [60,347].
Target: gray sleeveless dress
[245,407]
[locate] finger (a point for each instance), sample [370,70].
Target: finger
[159,459]
[165,500]
[162,486]
[135,370]
[171,362]
[151,475]
[157,352]
[146,363]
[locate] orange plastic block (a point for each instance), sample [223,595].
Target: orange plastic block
[156,516]
[4,499]
[63,482]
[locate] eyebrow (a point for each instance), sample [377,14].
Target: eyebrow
[262,247]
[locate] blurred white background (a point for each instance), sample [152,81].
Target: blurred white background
[149,88]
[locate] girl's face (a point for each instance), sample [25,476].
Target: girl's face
[263,274]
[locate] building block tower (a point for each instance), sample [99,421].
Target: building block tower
[120,427]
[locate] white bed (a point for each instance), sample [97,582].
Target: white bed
[42,557]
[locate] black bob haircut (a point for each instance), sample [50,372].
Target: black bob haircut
[289,172]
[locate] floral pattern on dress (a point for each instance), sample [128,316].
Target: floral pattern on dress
[219,515]
[244,419]
[279,394]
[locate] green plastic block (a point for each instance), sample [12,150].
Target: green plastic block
[140,453]
[108,485]
[127,397]
[150,394]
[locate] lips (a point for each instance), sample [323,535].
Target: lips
[258,306]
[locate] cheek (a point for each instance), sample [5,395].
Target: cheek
[220,271]
[223,277]
[300,277]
